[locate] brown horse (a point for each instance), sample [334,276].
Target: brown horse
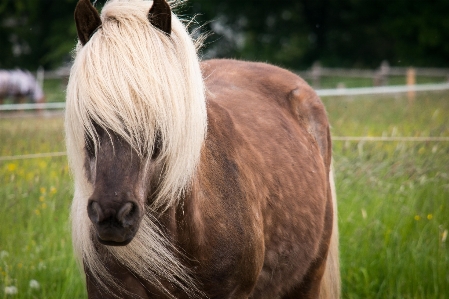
[194,180]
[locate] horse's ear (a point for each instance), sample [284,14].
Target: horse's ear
[160,16]
[87,20]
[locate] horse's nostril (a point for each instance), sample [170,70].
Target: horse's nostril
[95,212]
[107,216]
[125,214]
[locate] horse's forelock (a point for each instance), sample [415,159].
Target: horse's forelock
[134,81]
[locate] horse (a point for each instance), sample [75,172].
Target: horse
[193,179]
[19,85]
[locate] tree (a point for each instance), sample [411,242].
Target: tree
[291,33]
[36,33]
[347,33]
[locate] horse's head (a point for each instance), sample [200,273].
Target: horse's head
[123,181]
[121,176]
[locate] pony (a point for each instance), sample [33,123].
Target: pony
[19,85]
[193,179]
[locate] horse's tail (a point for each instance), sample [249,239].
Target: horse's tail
[330,283]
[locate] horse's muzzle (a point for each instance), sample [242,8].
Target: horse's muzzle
[115,225]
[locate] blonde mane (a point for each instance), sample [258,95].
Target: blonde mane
[136,81]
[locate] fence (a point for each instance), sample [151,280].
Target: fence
[315,75]
[409,89]
[378,77]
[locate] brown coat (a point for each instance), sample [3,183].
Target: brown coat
[257,220]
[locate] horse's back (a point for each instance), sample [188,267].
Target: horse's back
[248,88]
[272,137]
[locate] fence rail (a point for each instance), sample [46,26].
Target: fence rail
[320,92]
[32,106]
[381,90]
[363,73]
[378,76]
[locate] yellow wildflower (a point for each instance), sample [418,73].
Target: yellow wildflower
[42,164]
[429,216]
[417,217]
[11,167]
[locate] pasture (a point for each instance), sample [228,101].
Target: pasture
[393,200]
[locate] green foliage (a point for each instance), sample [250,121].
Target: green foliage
[36,33]
[294,34]
[350,33]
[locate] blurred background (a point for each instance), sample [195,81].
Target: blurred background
[330,43]
[293,34]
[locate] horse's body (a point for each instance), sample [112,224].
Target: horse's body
[19,85]
[255,218]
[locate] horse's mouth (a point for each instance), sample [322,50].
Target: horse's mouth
[113,236]
[114,243]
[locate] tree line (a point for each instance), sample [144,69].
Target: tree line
[290,33]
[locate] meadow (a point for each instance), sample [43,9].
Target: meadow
[393,202]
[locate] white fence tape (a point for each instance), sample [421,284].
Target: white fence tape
[32,106]
[381,90]
[397,139]
[320,92]
[33,156]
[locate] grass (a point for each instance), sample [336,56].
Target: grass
[393,196]
[54,90]
[35,196]
[393,202]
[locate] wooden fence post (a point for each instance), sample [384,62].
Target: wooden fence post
[411,81]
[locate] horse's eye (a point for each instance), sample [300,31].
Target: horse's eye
[89,146]
[157,146]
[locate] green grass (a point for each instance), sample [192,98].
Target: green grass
[35,196]
[393,202]
[393,196]
[54,90]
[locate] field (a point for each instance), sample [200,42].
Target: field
[393,202]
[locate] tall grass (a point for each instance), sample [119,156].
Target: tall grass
[393,196]
[35,195]
[393,202]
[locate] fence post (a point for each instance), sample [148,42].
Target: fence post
[316,74]
[411,81]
